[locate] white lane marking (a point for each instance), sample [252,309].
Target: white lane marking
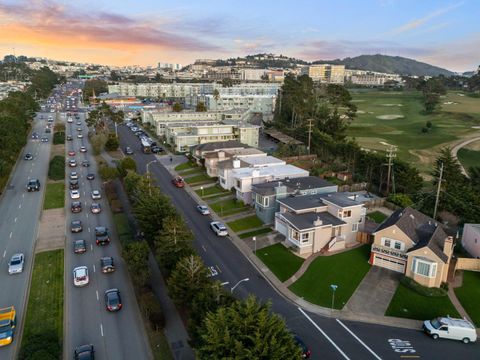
[4,253]
[94,271]
[86,215]
[101,329]
[19,206]
[23,195]
[97,295]
[31,170]
[323,333]
[11,233]
[204,249]
[88,229]
[91,247]
[15,220]
[358,339]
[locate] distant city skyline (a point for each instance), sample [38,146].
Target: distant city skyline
[441,33]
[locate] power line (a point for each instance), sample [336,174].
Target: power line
[438,191]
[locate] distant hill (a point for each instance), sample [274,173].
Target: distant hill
[389,64]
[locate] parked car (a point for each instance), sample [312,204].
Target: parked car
[107,265]
[128,150]
[306,353]
[101,235]
[28,156]
[15,265]
[113,302]
[96,195]
[79,246]
[450,328]
[76,207]
[95,208]
[156,149]
[33,185]
[76,226]
[80,276]
[203,209]
[90,176]
[218,228]
[178,182]
[84,352]
[74,194]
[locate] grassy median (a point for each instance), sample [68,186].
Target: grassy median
[54,196]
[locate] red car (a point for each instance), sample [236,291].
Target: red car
[71,153]
[178,182]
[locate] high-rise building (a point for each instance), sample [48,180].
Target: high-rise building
[325,73]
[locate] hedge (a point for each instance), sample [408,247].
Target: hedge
[423,290]
[56,169]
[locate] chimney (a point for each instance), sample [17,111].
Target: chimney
[317,222]
[448,247]
[221,154]
[236,164]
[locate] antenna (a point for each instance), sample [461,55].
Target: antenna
[391,154]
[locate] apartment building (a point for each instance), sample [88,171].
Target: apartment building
[264,104]
[9,86]
[311,223]
[325,73]
[252,74]
[370,78]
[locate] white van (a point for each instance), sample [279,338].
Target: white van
[450,328]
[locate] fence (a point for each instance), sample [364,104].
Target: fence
[291,159]
[468,264]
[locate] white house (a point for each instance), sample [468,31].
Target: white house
[471,239]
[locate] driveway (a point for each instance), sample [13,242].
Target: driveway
[375,292]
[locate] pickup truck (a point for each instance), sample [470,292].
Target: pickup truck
[8,321]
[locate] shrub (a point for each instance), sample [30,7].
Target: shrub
[116,206]
[59,138]
[44,345]
[153,310]
[112,143]
[423,290]
[56,169]
[399,199]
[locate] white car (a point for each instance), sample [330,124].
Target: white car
[80,276]
[80,136]
[15,265]
[96,195]
[83,149]
[73,175]
[74,194]
[218,228]
[203,209]
[70,120]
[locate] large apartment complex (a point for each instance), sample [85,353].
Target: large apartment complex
[325,73]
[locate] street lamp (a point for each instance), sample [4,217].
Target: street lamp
[255,243]
[201,188]
[238,283]
[333,287]
[148,176]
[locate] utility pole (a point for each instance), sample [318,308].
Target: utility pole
[391,154]
[309,134]
[438,192]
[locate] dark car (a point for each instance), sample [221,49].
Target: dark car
[73,185]
[86,163]
[28,156]
[44,139]
[69,137]
[113,302]
[90,176]
[178,182]
[76,207]
[107,265]
[101,235]
[156,149]
[79,246]
[306,353]
[76,226]
[33,185]
[84,352]
[34,135]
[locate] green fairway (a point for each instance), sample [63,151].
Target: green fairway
[469,158]
[346,270]
[281,261]
[246,223]
[54,196]
[469,293]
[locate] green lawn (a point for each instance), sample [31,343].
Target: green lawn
[228,206]
[407,303]
[211,190]
[281,261]
[255,233]
[124,231]
[249,222]
[185,166]
[56,168]
[201,178]
[345,270]
[45,301]
[469,294]
[377,216]
[54,196]
[195,171]
[469,158]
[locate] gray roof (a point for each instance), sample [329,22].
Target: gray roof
[306,221]
[311,201]
[420,228]
[302,183]
[342,199]
[220,145]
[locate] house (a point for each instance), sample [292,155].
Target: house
[414,244]
[212,159]
[312,223]
[265,195]
[200,150]
[471,239]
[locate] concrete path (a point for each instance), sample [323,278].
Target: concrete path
[51,230]
[457,282]
[458,147]
[302,269]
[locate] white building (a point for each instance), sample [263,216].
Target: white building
[370,78]
[471,239]
[252,74]
[264,104]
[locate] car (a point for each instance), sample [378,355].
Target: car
[28,156]
[69,120]
[113,302]
[34,135]
[73,184]
[79,129]
[85,163]
[44,139]
[78,124]
[306,353]
[76,207]
[84,352]
[79,246]
[83,149]
[69,137]
[15,265]
[450,328]
[156,149]
[48,130]
[218,228]
[33,185]
[80,136]
[101,235]
[95,208]
[73,175]
[76,226]
[96,195]
[203,209]
[90,176]
[71,153]
[72,163]
[178,182]
[80,276]
[107,265]
[128,150]
[74,194]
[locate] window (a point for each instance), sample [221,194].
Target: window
[354,227]
[424,267]
[305,237]
[398,245]
[347,213]
[239,184]
[295,235]
[266,201]
[386,242]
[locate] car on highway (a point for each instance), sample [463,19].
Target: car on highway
[95,208]
[306,353]
[15,265]
[44,139]
[76,226]
[178,182]
[113,302]
[71,153]
[79,123]
[90,176]
[107,265]
[79,246]
[203,209]
[34,135]
[69,137]
[76,207]
[79,129]
[72,163]
[73,175]
[80,276]
[83,149]
[84,352]
[73,184]
[69,120]
[74,194]
[101,235]
[28,156]
[96,195]
[80,136]
[85,163]
[128,150]
[33,185]
[218,228]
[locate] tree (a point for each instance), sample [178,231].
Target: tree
[216,94]
[201,107]
[94,86]
[474,172]
[125,165]
[108,173]
[136,256]
[177,107]
[112,143]
[246,330]
[114,76]
[227,82]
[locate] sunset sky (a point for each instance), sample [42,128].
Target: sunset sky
[126,32]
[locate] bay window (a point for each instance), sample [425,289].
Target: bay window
[424,267]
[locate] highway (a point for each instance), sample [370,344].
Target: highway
[328,338]
[118,335]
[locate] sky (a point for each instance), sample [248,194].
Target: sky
[129,32]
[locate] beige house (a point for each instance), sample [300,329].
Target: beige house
[414,244]
[212,159]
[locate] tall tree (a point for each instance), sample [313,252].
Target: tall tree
[136,256]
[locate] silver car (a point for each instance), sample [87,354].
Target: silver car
[15,265]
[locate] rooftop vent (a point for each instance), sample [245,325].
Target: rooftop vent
[318,222]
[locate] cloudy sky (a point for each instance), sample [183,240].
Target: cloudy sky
[125,32]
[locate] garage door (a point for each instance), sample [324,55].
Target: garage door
[389,263]
[280,227]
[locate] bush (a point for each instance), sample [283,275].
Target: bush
[56,169]
[44,345]
[98,142]
[153,310]
[59,127]
[59,138]
[112,143]
[402,200]
[116,206]
[423,290]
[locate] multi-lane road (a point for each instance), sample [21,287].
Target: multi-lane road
[328,338]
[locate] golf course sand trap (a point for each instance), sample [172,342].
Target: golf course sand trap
[357,100]
[391,104]
[360,112]
[389,117]
[475,127]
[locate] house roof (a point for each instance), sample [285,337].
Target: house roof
[420,228]
[301,183]
[230,144]
[340,199]
[263,160]
[275,171]
[306,221]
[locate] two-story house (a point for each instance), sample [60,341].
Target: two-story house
[265,195]
[414,244]
[199,151]
[212,159]
[311,223]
